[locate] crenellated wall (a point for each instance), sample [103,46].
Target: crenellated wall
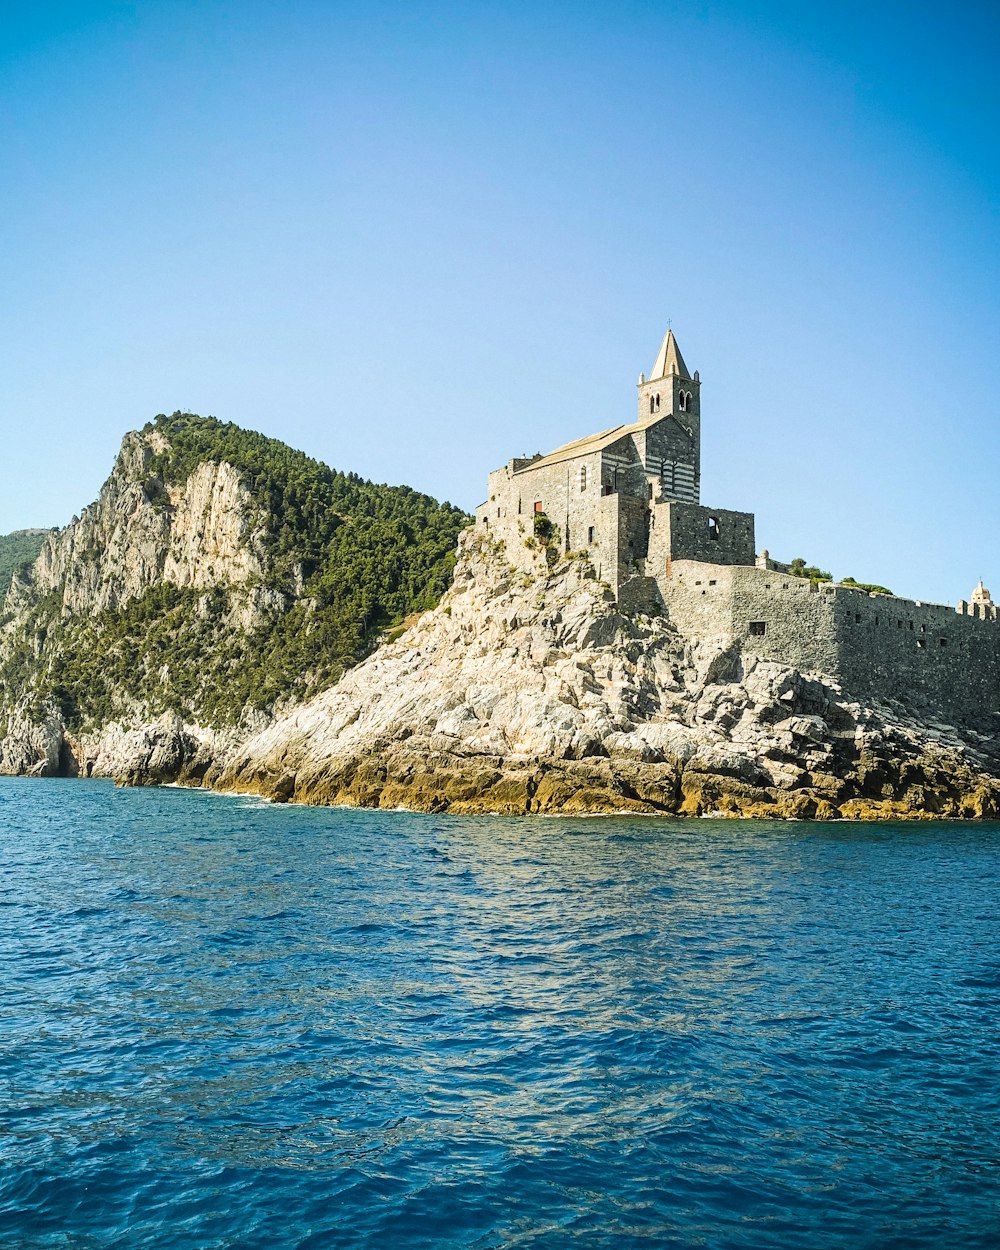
[928,656]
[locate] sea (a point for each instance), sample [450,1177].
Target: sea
[225,1023]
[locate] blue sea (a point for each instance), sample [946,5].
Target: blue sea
[230,1024]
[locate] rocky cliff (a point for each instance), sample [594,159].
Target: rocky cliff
[218,576]
[535,692]
[16,551]
[213,618]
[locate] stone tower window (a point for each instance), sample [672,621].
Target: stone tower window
[682,402]
[758,628]
[713,528]
[583,477]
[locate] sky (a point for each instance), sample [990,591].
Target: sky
[414,240]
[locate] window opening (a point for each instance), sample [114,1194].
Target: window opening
[590,534]
[758,628]
[713,528]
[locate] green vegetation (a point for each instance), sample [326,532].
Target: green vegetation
[545,533]
[871,587]
[799,568]
[351,558]
[544,529]
[17,550]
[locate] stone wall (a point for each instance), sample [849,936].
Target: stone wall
[574,509]
[877,646]
[671,455]
[684,531]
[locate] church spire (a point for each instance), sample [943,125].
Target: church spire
[668,360]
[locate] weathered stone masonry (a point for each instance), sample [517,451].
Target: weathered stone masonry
[630,497]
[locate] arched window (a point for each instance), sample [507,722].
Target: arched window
[652,403]
[583,477]
[657,409]
[682,401]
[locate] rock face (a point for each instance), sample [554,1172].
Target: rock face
[219,576]
[535,692]
[200,534]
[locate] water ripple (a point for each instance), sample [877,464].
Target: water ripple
[231,1024]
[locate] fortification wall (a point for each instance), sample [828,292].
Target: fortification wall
[712,535]
[926,656]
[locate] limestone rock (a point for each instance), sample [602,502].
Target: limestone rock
[539,693]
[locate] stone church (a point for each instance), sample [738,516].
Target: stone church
[629,500]
[630,495]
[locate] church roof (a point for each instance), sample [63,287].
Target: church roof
[668,360]
[594,442]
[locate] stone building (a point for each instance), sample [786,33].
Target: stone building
[629,498]
[629,495]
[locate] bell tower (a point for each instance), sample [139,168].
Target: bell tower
[672,447]
[670,390]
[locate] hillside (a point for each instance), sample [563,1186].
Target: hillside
[16,550]
[219,572]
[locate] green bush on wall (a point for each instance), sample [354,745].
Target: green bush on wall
[545,531]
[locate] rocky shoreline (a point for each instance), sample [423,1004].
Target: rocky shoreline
[539,694]
[536,693]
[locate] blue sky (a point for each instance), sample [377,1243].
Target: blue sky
[414,240]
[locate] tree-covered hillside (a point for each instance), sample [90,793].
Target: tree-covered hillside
[16,550]
[350,558]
